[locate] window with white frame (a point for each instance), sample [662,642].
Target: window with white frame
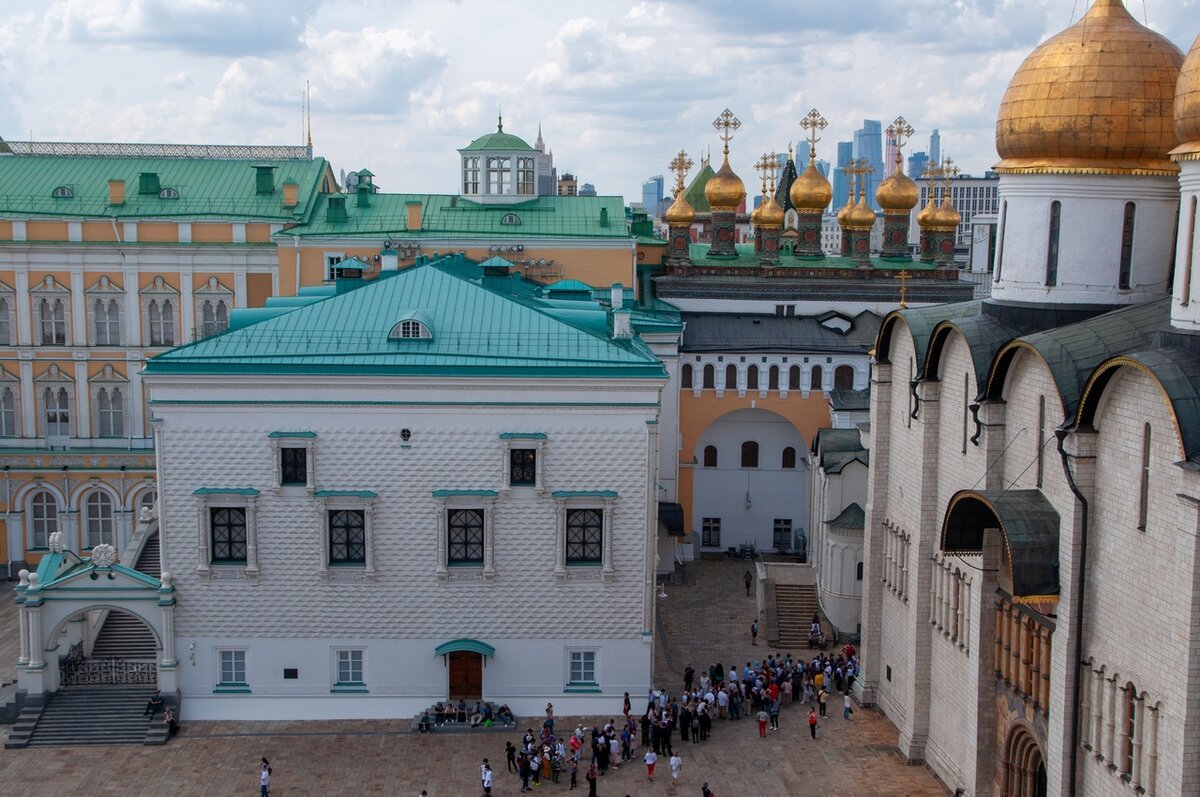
[106,322]
[110,412]
[499,175]
[232,668]
[43,519]
[6,326]
[350,668]
[346,537]
[524,460]
[213,304]
[332,262]
[581,668]
[52,318]
[471,175]
[98,519]
[56,405]
[525,171]
[8,413]
[160,313]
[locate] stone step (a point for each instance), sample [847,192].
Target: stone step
[89,716]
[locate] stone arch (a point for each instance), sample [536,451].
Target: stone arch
[51,639]
[1024,764]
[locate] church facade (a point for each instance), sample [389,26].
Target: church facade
[1030,618]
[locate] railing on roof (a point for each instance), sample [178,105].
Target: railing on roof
[130,150]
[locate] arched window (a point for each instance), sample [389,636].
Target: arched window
[146,500]
[98,515]
[106,318]
[749,454]
[794,378]
[5,327]
[1144,493]
[215,317]
[843,377]
[58,411]
[471,175]
[499,176]
[1126,270]
[43,513]
[816,379]
[8,413]
[162,322]
[858,571]
[1052,244]
[525,182]
[789,457]
[773,378]
[710,377]
[731,377]
[1129,720]
[752,378]
[110,409]
[710,456]
[685,375]
[54,322]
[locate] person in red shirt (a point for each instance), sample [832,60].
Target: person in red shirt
[812,722]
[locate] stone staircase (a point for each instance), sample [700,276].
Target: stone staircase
[98,715]
[147,561]
[123,636]
[795,605]
[463,727]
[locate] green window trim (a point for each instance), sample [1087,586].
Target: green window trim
[523,436]
[301,435]
[248,491]
[584,563]
[582,688]
[231,689]
[351,688]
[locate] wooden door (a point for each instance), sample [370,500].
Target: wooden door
[466,675]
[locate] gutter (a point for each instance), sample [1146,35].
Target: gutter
[1061,434]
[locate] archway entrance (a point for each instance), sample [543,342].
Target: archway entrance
[1024,766]
[108,647]
[466,675]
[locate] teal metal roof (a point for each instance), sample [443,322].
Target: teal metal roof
[306,435]
[208,188]
[446,214]
[475,329]
[920,322]
[1030,525]
[498,140]
[522,435]
[468,645]
[748,258]
[852,517]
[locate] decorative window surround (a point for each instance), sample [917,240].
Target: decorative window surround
[582,669]
[231,662]
[8,321]
[52,310]
[305,440]
[108,294]
[117,387]
[583,499]
[214,303]
[166,313]
[348,663]
[331,501]
[10,404]
[515,440]
[466,499]
[216,497]
[55,381]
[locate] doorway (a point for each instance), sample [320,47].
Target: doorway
[466,675]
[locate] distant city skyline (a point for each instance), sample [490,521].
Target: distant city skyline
[398,89]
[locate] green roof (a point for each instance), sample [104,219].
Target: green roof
[695,190]
[584,494]
[476,330]
[465,493]
[445,215]
[498,140]
[1030,525]
[208,188]
[852,517]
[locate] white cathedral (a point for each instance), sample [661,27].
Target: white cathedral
[1031,608]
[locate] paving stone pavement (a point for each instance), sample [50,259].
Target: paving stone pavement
[710,615]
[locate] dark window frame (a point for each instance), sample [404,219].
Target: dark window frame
[750,454]
[522,467]
[788,459]
[347,537]
[711,462]
[225,525]
[464,537]
[585,536]
[293,473]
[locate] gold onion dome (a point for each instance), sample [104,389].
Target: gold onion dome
[945,217]
[680,212]
[898,193]
[1187,106]
[1095,98]
[756,214]
[843,216]
[928,213]
[770,214]
[724,190]
[811,192]
[862,217]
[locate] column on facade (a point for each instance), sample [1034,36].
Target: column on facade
[1098,712]
[965,637]
[1005,635]
[251,538]
[29,405]
[1122,727]
[606,569]
[369,570]
[934,598]
[1015,649]
[24,308]
[997,642]
[79,336]
[560,562]
[167,608]
[1139,719]
[23,621]
[83,401]
[1044,687]
[1027,634]
[1035,665]
[34,614]
[187,307]
[956,606]
[1110,723]
[202,536]
[133,311]
[1152,752]
[1085,705]
[489,540]
[442,571]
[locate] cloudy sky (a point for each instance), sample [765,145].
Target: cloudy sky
[618,86]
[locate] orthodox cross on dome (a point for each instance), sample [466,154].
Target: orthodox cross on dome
[813,123]
[726,125]
[859,168]
[680,166]
[949,171]
[900,131]
[933,172]
[903,277]
[764,166]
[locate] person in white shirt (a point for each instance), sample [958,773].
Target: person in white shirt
[651,759]
[676,765]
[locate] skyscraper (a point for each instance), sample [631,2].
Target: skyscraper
[868,145]
[652,194]
[918,162]
[935,147]
[841,180]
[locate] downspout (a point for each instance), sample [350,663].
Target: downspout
[296,246]
[1061,434]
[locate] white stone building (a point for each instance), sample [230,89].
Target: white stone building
[1029,606]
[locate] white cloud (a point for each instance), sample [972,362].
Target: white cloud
[179,80]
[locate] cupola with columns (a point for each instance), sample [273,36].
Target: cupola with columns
[939,221]
[857,218]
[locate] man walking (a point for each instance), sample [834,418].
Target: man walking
[487,778]
[847,709]
[754,633]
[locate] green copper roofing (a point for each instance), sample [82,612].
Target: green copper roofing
[522,435]
[852,517]
[305,435]
[920,322]
[475,331]
[345,494]
[467,645]
[984,336]
[694,194]
[498,140]
[465,493]
[208,188]
[1030,525]
[445,215]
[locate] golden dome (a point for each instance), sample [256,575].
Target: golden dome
[1187,107]
[1096,98]
[770,214]
[811,192]
[724,190]
[898,193]
[680,212]
[928,213]
[945,217]
[843,216]
[861,217]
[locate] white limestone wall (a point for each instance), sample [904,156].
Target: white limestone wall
[525,614]
[1185,310]
[1093,208]
[1142,583]
[836,552]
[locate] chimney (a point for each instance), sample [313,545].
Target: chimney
[603,217]
[414,208]
[148,183]
[622,324]
[116,192]
[291,194]
[363,194]
[389,260]
[264,179]
[617,295]
[335,211]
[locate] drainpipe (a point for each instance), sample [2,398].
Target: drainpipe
[1061,434]
[296,246]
